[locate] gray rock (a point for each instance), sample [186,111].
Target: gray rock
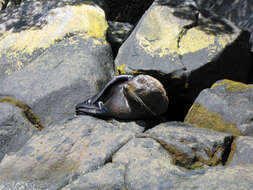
[242,149]
[30,29]
[59,155]
[220,178]
[65,74]
[150,157]
[15,129]
[109,177]
[227,106]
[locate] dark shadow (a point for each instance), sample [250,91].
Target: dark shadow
[127,10]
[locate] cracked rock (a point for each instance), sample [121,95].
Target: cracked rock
[169,154]
[59,155]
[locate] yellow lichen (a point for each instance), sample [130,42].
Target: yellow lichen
[121,69]
[86,19]
[233,86]
[200,116]
[159,34]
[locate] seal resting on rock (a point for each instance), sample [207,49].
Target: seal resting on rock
[127,97]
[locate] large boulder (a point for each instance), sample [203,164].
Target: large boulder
[188,50]
[65,52]
[227,106]
[30,29]
[59,155]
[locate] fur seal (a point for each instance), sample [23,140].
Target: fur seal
[127,97]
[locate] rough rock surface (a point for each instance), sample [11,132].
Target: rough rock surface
[227,106]
[186,49]
[61,72]
[238,11]
[60,154]
[15,129]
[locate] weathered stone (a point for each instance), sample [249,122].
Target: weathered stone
[15,129]
[150,158]
[242,149]
[148,165]
[30,29]
[190,146]
[220,178]
[227,106]
[238,11]
[109,177]
[69,70]
[186,50]
[60,154]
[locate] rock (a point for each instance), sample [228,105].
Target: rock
[242,149]
[227,106]
[186,50]
[69,70]
[238,11]
[220,178]
[59,155]
[117,33]
[150,158]
[109,177]
[30,29]
[15,129]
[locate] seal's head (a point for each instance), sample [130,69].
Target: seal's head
[148,92]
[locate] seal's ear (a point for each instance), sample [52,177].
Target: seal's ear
[95,104]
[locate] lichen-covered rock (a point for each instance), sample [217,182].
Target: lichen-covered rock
[30,29]
[186,49]
[15,129]
[227,106]
[69,70]
[238,11]
[59,155]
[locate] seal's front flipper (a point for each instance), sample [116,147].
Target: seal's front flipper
[86,108]
[96,104]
